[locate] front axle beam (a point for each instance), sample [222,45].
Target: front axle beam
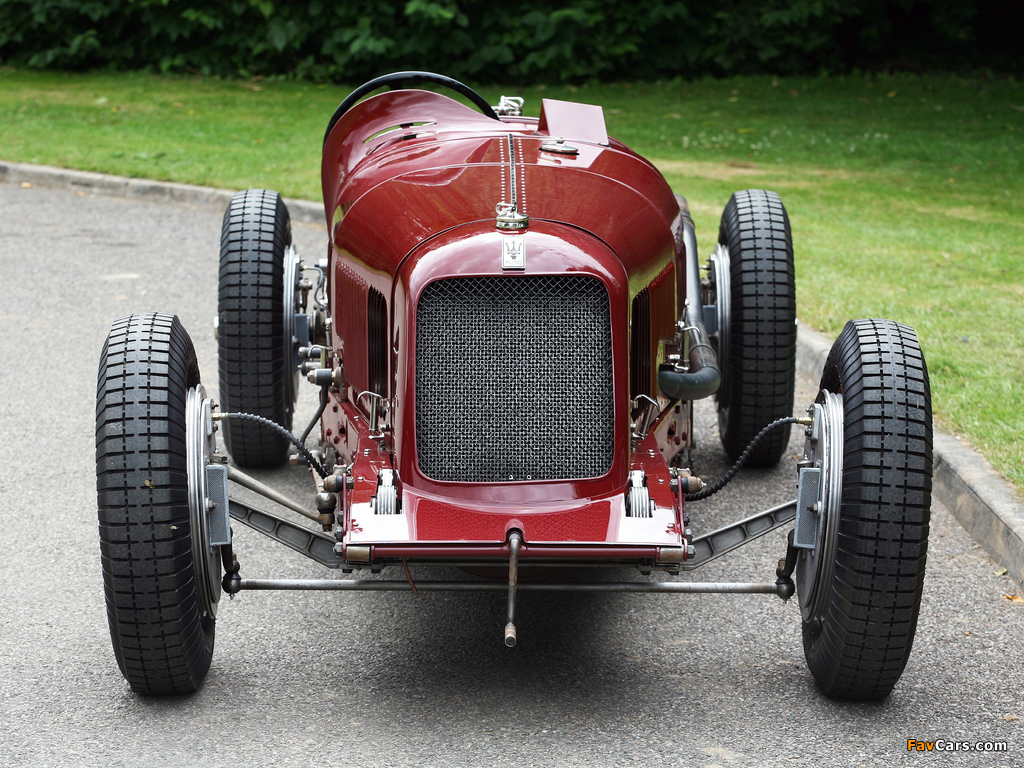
[371,585]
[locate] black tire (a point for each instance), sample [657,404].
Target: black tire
[256,361]
[759,365]
[162,640]
[860,646]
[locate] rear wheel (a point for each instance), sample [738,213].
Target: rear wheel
[256,311]
[160,578]
[860,588]
[752,270]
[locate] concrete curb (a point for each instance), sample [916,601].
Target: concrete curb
[987,506]
[142,189]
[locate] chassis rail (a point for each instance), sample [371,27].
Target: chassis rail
[320,547]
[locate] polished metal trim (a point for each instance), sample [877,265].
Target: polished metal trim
[292,275]
[509,106]
[559,147]
[720,276]
[638,496]
[509,217]
[513,252]
[512,170]
[824,448]
[386,501]
[200,445]
[371,585]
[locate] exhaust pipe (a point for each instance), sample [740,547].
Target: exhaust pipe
[703,377]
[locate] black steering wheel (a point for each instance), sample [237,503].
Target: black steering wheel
[396,81]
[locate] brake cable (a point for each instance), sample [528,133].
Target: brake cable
[711,490]
[303,451]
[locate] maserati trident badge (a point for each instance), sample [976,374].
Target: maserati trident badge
[513,252]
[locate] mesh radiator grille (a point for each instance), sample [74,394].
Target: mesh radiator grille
[514,379]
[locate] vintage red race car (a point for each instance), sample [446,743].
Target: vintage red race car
[507,338]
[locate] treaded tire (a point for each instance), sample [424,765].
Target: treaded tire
[861,646]
[759,367]
[254,358]
[162,642]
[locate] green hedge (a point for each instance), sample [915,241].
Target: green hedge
[525,41]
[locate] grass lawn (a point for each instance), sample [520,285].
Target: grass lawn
[906,194]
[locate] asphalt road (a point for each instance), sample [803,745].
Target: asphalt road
[307,679]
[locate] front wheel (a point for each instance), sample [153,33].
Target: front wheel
[752,272]
[256,303]
[860,586]
[160,578]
